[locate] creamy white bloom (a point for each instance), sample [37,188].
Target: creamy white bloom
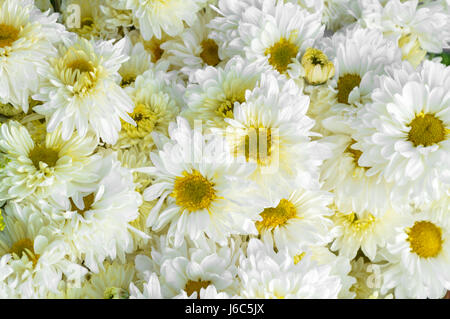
[205,190]
[213,92]
[33,255]
[168,15]
[266,274]
[95,221]
[404,133]
[82,91]
[44,165]
[199,269]
[25,46]
[271,129]
[419,255]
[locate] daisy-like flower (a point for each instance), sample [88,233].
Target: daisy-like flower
[163,15]
[269,275]
[271,129]
[362,230]
[95,221]
[112,282]
[318,69]
[139,62]
[156,105]
[33,257]
[213,92]
[296,219]
[419,255]
[343,175]
[416,28]
[44,165]
[194,49]
[25,45]
[360,57]
[281,38]
[404,133]
[205,190]
[82,91]
[196,270]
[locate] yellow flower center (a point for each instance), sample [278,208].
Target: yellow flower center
[356,224]
[425,239]
[258,145]
[24,247]
[145,121]
[196,286]
[317,67]
[193,192]
[426,130]
[115,293]
[8,35]
[76,68]
[210,52]
[281,54]
[274,217]
[87,200]
[345,85]
[43,154]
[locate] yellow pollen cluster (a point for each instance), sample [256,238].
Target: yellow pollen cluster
[425,239]
[2,221]
[8,35]
[196,286]
[281,54]
[426,130]
[345,85]
[274,217]
[210,52]
[193,192]
[145,121]
[24,247]
[298,258]
[43,154]
[359,225]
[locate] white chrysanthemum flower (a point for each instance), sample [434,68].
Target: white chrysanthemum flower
[168,16]
[96,221]
[156,104]
[343,175]
[213,92]
[139,62]
[33,257]
[198,269]
[419,255]
[281,37]
[25,45]
[112,282]
[295,218]
[44,166]
[271,129]
[360,57]
[340,267]
[194,49]
[416,28]
[269,275]
[82,91]
[362,230]
[404,133]
[205,190]
[151,289]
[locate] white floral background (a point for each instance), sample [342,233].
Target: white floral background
[224,149]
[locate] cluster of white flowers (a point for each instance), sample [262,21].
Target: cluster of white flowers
[224,149]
